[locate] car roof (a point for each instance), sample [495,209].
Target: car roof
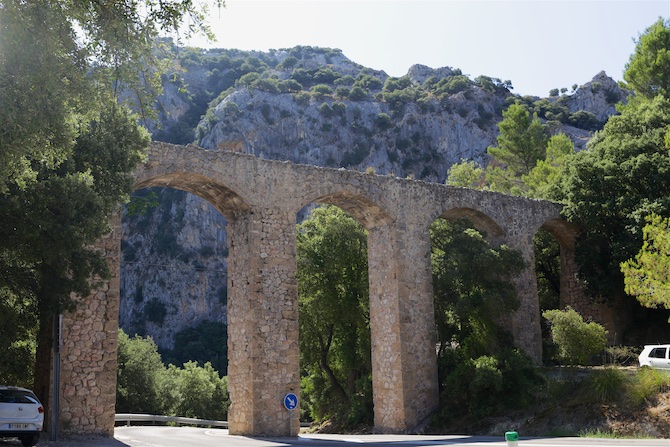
[16,388]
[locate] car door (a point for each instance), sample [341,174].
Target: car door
[658,357]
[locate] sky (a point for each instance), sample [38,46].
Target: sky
[538,45]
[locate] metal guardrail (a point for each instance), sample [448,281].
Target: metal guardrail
[128,418]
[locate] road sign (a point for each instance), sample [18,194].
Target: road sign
[290,401]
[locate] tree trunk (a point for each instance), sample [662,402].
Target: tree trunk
[325,349]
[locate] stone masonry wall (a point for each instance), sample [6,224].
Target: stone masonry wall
[88,354]
[260,199]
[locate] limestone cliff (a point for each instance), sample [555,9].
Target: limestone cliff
[312,106]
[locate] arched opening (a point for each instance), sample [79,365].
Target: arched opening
[174,293]
[334,308]
[476,297]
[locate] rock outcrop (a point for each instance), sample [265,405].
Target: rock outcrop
[310,106]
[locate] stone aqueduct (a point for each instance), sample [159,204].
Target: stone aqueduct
[260,199]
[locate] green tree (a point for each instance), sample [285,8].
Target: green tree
[647,277]
[67,149]
[146,385]
[334,316]
[139,374]
[648,69]
[610,188]
[543,179]
[521,142]
[467,174]
[202,393]
[472,287]
[577,340]
[207,342]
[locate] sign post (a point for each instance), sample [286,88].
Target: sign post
[290,403]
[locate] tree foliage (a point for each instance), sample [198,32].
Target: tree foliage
[647,277]
[610,188]
[542,180]
[334,317]
[467,174]
[67,145]
[577,340]
[648,69]
[472,287]
[521,142]
[206,342]
[146,385]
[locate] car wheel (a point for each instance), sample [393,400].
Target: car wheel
[28,441]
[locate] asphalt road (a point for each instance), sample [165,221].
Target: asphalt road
[156,436]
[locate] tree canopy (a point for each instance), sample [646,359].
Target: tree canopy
[521,142]
[68,143]
[334,317]
[610,188]
[472,286]
[648,69]
[647,277]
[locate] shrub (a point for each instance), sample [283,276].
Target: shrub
[291,85]
[488,384]
[270,85]
[577,340]
[621,355]
[383,121]
[302,98]
[605,385]
[288,63]
[646,383]
[368,82]
[248,79]
[325,110]
[585,120]
[357,93]
[321,90]
[146,385]
[342,92]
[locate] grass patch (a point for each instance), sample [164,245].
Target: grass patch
[605,385]
[611,435]
[647,383]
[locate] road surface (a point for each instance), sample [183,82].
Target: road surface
[158,436]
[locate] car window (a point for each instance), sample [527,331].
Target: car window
[658,353]
[17,397]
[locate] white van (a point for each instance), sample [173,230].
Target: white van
[655,356]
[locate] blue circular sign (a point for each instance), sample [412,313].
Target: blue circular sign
[290,401]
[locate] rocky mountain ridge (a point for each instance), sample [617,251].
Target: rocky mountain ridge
[312,106]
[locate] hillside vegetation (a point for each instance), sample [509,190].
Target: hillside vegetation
[313,106]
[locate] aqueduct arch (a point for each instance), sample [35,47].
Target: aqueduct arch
[260,198]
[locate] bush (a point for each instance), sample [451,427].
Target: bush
[488,384]
[621,355]
[145,385]
[325,110]
[357,93]
[321,90]
[383,121]
[577,341]
[605,385]
[646,383]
